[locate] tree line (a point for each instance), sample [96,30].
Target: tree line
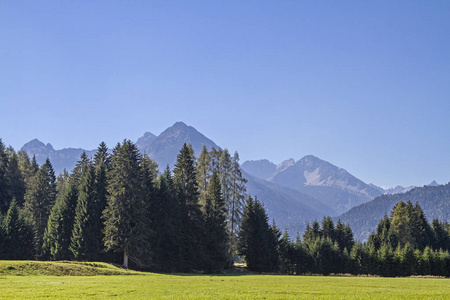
[198,217]
[117,207]
[404,244]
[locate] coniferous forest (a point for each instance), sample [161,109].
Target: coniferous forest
[117,207]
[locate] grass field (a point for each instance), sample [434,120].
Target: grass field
[137,285]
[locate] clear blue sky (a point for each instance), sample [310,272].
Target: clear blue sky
[364,85]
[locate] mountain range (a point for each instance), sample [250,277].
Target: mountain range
[293,192]
[363,219]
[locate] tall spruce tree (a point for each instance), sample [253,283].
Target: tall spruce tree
[203,174]
[125,214]
[39,200]
[185,181]
[255,238]
[85,243]
[166,218]
[19,234]
[15,179]
[102,165]
[215,227]
[236,202]
[58,234]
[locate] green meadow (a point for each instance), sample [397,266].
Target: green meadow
[31,280]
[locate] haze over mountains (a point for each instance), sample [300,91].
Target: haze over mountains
[293,192]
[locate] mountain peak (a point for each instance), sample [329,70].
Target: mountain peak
[36,144]
[433,183]
[145,140]
[180,125]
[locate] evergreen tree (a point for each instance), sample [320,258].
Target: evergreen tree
[401,223]
[85,243]
[203,174]
[102,165]
[15,180]
[215,227]
[328,229]
[19,234]
[27,169]
[125,214]
[441,236]
[167,225]
[185,181]
[421,230]
[225,175]
[39,200]
[255,238]
[236,202]
[57,236]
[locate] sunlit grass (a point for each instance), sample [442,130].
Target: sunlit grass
[229,286]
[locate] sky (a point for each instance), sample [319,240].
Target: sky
[364,85]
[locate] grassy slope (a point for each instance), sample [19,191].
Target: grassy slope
[149,285]
[61,268]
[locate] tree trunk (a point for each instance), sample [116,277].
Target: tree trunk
[125,259]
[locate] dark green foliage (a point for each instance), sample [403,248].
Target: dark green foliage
[166,222]
[18,235]
[15,179]
[85,241]
[216,250]
[256,238]
[441,235]
[185,182]
[39,200]
[58,233]
[126,215]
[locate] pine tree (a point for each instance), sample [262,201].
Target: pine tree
[85,244]
[27,169]
[328,229]
[236,202]
[125,214]
[19,234]
[256,237]
[102,165]
[441,236]
[167,225]
[15,180]
[185,182]
[215,227]
[39,200]
[57,236]
[225,175]
[203,175]
[401,223]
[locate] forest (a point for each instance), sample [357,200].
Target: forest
[117,207]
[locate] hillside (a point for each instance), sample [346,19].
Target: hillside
[363,219]
[60,268]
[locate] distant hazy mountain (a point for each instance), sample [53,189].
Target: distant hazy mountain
[363,219]
[399,189]
[145,140]
[333,186]
[290,208]
[61,159]
[165,148]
